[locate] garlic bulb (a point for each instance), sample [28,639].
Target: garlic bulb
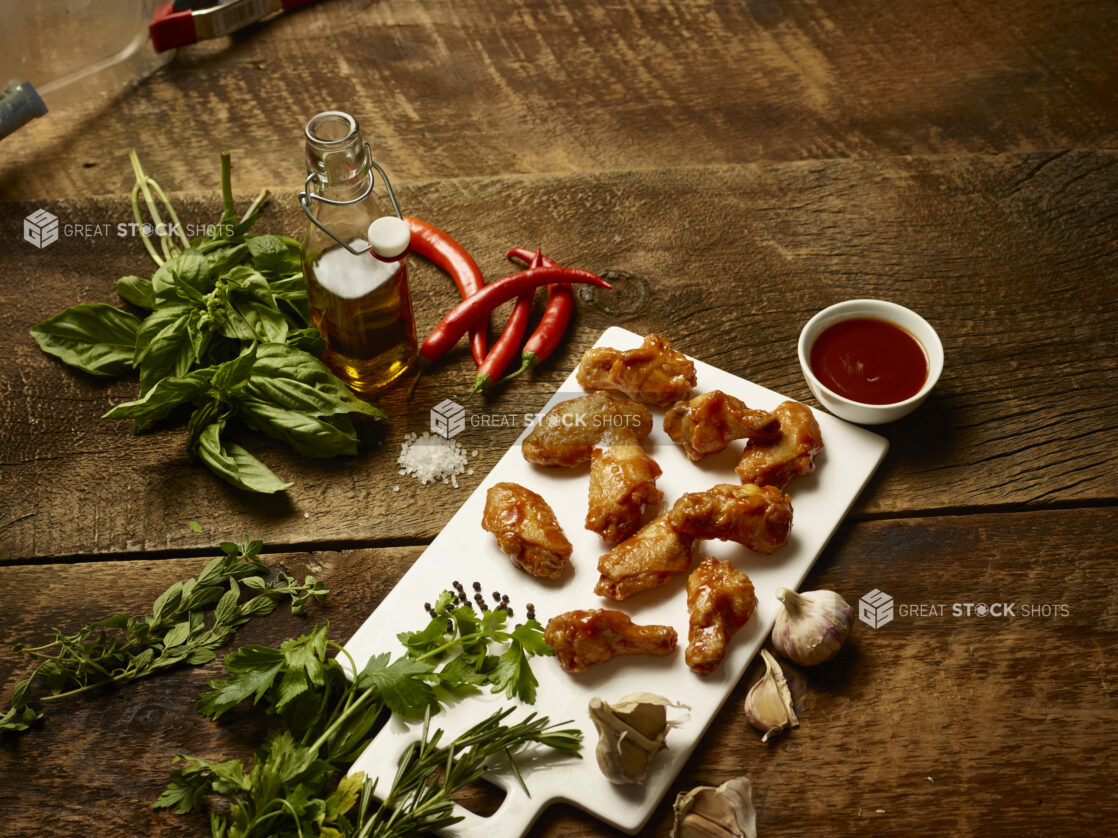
[768,705]
[723,812]
[630,733]
[811,627]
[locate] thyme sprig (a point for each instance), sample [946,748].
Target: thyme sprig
[187,623]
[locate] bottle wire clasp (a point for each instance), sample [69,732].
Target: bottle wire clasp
[308,195]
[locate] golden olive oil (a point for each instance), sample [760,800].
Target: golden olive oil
[362,307]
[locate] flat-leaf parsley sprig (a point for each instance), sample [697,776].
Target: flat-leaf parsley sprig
[294,785]
[464,639]
[186,624]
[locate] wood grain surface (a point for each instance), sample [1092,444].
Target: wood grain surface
[913,728]
[1012,258]
[733,167]
[495,87]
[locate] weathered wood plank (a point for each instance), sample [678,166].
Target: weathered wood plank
[492,87]
[927,725]
[1011,257]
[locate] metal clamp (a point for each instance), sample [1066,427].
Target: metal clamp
[306,196]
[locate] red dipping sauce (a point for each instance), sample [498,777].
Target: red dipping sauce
[869,361]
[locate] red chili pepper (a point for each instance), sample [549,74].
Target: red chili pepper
[556,317]
[473,310]
[528,256]
[432,243]
[499,357]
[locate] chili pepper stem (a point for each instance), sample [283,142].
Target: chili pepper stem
[481,382]
[530,361]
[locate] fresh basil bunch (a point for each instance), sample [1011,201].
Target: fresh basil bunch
[228,332]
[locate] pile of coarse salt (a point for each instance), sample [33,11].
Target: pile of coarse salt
[430,458]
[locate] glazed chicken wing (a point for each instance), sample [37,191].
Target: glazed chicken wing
[622,483]
[565,435]
[791,452]
[720,600]
[653,373]
[710,422]
[526,529]
[583,638]
[757,517]
[644,561]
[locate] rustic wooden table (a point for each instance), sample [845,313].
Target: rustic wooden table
[752,162]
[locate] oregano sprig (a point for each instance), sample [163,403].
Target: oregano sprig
[187,623]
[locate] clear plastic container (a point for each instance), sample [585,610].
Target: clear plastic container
[55,54]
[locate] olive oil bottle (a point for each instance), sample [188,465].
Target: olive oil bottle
[359,302]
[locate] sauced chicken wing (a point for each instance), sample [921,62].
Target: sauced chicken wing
[622,483]
[757,517]
[567,433]
[720,600]
[710,422]
[653,373]
[791,452]
[526,529]
[583,638]
[644,561]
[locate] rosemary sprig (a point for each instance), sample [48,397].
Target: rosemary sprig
[421,797]
[185,625]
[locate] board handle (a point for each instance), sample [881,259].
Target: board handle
[512,819]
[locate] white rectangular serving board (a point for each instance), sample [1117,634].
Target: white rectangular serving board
[463,551]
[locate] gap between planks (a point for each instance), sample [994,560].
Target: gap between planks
[280,189]
[338,545]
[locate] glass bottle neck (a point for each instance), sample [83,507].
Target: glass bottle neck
[337,155]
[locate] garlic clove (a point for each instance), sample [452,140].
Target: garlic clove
[630,734]
[723,812]
[812,626]
[768,704]
[644,712]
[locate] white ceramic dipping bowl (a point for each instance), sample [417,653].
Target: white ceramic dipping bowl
[910,321]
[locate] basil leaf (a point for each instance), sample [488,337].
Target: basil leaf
[136,290]
[289,394]
[270,253]
[229,321]
[311,436]
[233,374]
[276,361]
[93,337]
[224,258]
[158,326]
[235,465]
[169,354]
[308,340]
[252,298]
[182,274]
[290,293]
[291,286]
[199,328]
[162,398]
[205,415]
[187,292]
